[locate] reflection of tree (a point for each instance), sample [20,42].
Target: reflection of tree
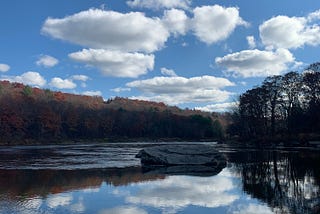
[288,182]
[29,183]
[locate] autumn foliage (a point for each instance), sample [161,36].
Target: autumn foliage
[29,115]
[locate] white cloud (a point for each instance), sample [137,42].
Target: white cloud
[179,84]
[92,93]
[251,42]
[158,4]
[244,83]
[197,96]
[119,89]
[47,61]
[181,191]
[314,16]
[116,63]
[291,32]
[29,78]
[80,77]
[177,90]
[176,21]
[219,107]
[168,72]
[212,24]
[4,67]
[135,32]
[59,200]
[111,30]
[59,83]
[256,63]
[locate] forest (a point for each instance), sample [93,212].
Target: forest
[32,115]
[283,108]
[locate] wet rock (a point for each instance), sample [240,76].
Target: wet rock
[174,155]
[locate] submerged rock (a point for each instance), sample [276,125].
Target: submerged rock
[182,159]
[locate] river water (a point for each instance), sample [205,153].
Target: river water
[108,179]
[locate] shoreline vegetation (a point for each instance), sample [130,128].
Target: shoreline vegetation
[283,110]
[41,116]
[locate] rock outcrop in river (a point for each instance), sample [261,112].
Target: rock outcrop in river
[182,159]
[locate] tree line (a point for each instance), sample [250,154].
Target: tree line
[29,115]
[284,107]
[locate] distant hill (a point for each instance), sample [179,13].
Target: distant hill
[33,115]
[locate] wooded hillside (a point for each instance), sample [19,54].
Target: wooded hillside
[29,115]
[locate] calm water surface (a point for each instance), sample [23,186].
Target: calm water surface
[108,178]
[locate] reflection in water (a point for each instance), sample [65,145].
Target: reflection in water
[287,181]
[178,192]
[253,182]
[17,183]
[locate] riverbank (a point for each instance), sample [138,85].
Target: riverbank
[31,142]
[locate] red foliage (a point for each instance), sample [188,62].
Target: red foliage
[59,96]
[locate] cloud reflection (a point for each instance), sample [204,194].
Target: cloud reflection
[181,191]
[123,210]
[59,200]
[78,207]
[253,209]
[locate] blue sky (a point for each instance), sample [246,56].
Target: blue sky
[195,54]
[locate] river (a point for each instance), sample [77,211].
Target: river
[107,178]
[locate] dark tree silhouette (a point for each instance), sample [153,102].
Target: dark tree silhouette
[283,107]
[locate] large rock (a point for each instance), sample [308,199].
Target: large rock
[182,159]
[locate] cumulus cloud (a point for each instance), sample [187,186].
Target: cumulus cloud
[47,61]
[168,72]
[314,16]
[219,107]
[4,67]
[179,84]
[111,30]
[212,24]
[159,4]
[119,89]
[176,21]
[291,32]
[119,44]
[181,191]
[80,77]
[197,96]
[177,90]
[29,78]
[135,32]
[59,83]
[256,63]
[92,93]
[251,42]
[116,63]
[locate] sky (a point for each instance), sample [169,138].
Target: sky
[197,54]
